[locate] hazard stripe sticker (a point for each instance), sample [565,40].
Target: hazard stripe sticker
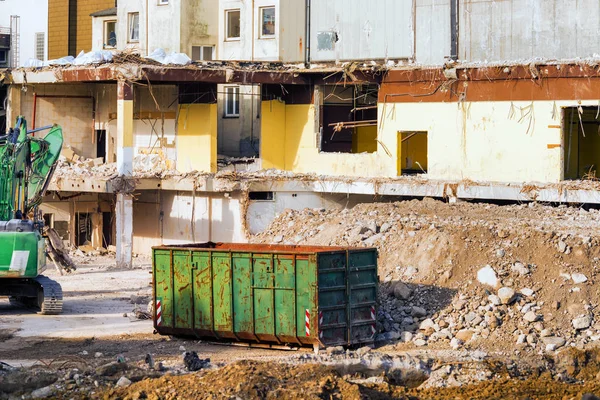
[307,321]
[158,311]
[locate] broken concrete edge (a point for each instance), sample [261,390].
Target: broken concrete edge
[564,192]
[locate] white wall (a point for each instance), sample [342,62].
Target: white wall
[288,43]
[125,7]
[98,31]
[374,29]
[34,18]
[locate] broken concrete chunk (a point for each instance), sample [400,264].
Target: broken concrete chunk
[401,291]
[123,382]
[582,322]
[487,276]
[531,316]
[578,278]
[520,269]
[506,295]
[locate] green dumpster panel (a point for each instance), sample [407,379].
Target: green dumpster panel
[201,266]
[182,290]
[273,294]
[162,282]
[222,293]
[242,294]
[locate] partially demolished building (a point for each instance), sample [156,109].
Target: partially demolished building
[144,168]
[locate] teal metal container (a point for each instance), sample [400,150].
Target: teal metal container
[267,294]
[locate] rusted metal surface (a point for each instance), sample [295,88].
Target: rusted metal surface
[284,295]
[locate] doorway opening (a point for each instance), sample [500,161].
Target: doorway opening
[581,142]
[101,144]
[107,229]
[83,226]
[412,152]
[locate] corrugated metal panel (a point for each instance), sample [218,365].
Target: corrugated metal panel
[355,30]
[433,31]
[266,294]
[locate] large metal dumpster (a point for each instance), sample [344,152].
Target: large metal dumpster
[268,294]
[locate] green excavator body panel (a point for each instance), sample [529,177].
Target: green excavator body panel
[22,254]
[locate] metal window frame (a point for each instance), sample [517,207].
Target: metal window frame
[226,24]
[130,17]
[226,112]
[104,32]
[37,45]
[260,25]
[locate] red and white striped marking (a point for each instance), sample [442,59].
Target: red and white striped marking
[374,318]
[158,312]
[307,321]
[320,323]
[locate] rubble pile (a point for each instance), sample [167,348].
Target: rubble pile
[515,278]
[71,165]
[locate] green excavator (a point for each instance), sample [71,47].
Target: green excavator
[27,163]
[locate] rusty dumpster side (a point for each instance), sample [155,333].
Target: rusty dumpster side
[269,294]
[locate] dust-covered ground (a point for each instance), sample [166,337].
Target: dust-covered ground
[476,301]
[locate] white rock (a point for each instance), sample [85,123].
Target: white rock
[565,276]
[551,347]
[520,268]
[123,382]
[527,292]
[495,300]
[578,278]
[456,343]
[487,276]
[562,246]
[554,341]
[427,324]
[98,354]
[531,317]
[521,339]
[278,239]
[582,322]
[506,295]
[42,393]
[406,336]
[410,272]
[420,342]
[500,253]
[545,333]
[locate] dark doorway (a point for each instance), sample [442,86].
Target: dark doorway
[101,144]
[83,225]
[107,225]
[581,142]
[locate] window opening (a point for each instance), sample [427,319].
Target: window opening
[261,196]
[581,142]
[110,34]
[203,53]
[232,101]
[267,17]
[232,29]
[348,119]
[2,56]
[134,27]
[83,229]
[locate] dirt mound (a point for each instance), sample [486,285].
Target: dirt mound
[246,380]
[548,256]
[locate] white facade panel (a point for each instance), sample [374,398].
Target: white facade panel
[354,30]
[512,30]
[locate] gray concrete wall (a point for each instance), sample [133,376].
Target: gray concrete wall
[523,29]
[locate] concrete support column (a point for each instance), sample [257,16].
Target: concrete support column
[124,206]
[124,211]
[14,105]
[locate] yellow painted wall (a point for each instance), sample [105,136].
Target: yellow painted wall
[414,149]
[300,147]
[482,141]
[364,140]
[197,138]
[272,143]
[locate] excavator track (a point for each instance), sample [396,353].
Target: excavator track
[51,296]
